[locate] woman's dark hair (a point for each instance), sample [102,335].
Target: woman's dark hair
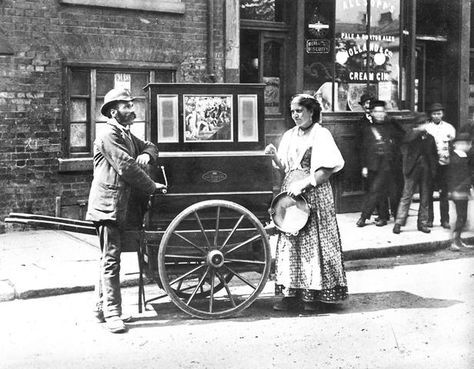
[310,103]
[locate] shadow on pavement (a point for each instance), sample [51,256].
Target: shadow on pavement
[169,315]
[376,301]
[407,259]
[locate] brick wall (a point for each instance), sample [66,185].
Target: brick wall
[45,35]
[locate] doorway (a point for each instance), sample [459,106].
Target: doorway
[262,60]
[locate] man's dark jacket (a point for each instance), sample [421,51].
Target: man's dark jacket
[384,153]
[416,144]
[118,178]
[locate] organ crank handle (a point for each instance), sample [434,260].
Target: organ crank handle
[165,190]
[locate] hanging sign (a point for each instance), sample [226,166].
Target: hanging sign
[122,80]
[314,46]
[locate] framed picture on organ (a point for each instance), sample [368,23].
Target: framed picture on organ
[207,117]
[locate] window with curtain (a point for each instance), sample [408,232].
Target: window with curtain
[87,88]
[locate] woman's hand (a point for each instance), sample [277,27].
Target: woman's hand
[297,188]
[270,150]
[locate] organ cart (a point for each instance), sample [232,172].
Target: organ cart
[203,241]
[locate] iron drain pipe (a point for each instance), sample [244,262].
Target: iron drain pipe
[210,41]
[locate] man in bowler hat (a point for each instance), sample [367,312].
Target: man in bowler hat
[379,158]
[119,179]
[365,100]
[443,134]
[365,122]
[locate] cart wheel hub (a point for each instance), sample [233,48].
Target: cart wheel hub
[215,258]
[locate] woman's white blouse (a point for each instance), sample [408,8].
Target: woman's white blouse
[325,153]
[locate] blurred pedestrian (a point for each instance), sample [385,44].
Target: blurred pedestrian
[443,133]
[459,180]
[379,157]
[419,165]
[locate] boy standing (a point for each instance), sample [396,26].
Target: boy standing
[443,133]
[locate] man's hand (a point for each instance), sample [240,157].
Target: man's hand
[365,172]
[421,128]
[143,159]
[160,187]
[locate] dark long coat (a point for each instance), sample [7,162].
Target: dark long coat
[381,154]
[117,175]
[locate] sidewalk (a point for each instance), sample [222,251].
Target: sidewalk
[40,263]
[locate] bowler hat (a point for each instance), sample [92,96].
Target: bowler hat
[435,107]
[463,136]
[374,103]
[364,98]
[114,95]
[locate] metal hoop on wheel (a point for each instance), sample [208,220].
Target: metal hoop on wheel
[214,259]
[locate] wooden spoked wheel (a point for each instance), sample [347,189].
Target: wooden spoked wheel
[214,259]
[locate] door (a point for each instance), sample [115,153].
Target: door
[262,60]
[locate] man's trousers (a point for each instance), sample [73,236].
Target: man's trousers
[380,186]
[108,287]
[421,176]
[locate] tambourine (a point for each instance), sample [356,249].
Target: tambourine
[289,214]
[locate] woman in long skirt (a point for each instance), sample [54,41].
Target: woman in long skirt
[309,266]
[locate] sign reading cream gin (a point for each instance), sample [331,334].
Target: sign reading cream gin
[367,50]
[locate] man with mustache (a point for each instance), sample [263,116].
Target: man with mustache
[120,182]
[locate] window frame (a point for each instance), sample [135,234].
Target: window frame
[402,104]
[92,68]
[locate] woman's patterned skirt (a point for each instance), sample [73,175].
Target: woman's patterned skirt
[310,264]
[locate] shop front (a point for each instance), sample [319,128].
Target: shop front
[408,53]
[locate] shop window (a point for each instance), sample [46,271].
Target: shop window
[261,10]
[364,56]
[88,87]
